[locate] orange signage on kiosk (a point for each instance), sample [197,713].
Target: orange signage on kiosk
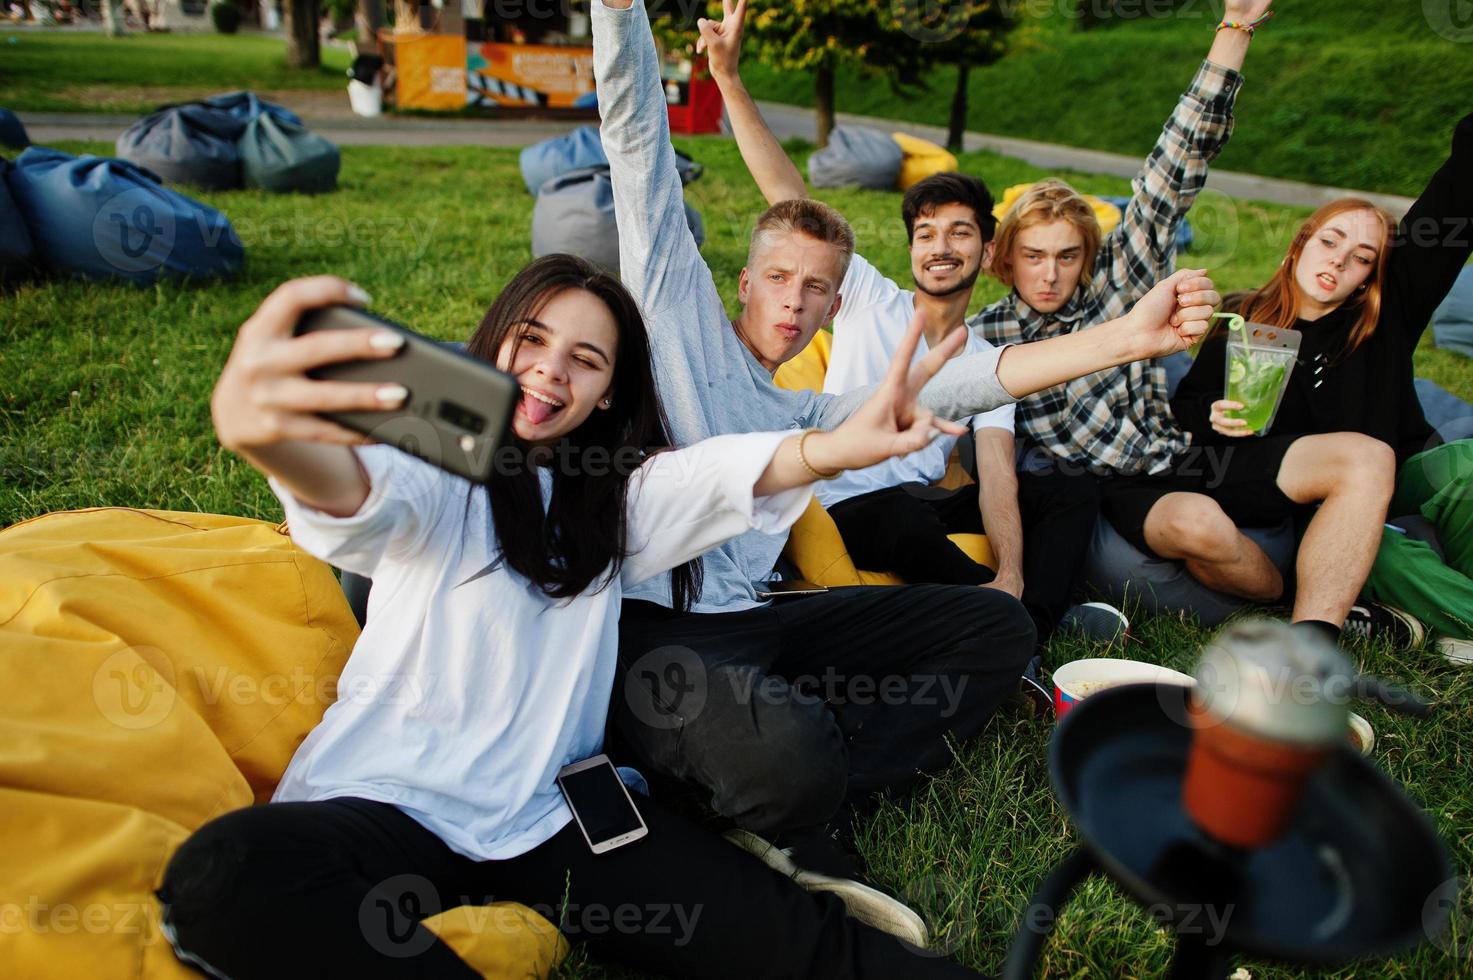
[430,70]
[529,76]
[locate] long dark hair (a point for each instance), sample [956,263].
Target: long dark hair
[585,529]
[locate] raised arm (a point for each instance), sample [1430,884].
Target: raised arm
[1433,242]
[1171,317]
[1140,250]
[264,406]
[776,176]
[658,258]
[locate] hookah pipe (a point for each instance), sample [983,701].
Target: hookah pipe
[1248,764]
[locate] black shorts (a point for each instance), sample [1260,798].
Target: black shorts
[1241,476]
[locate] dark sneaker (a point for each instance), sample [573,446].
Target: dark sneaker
[839,877]
[1096,621]
[1377,621]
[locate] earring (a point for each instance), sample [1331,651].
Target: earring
[607,403]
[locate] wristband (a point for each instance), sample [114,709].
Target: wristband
[1246,28]
[807,466]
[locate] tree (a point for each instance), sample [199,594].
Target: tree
[964,33]
[303,49]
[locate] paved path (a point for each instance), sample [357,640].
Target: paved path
[333,120]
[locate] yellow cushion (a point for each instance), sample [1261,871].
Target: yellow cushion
[815,546]
[922,159]
[1106,213]
[165,667]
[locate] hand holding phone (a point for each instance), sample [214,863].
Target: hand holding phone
[455,408]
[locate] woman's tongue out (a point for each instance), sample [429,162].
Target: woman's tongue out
[537,410]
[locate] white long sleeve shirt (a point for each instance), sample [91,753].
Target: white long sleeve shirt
[469,688]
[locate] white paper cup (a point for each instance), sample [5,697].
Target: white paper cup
[1076,680]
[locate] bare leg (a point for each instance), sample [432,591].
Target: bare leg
[1352,476]
[1192,528]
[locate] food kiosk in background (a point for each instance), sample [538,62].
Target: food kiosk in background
[525,55]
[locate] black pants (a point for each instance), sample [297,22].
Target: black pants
[904,530]
[787,712]
[338,889]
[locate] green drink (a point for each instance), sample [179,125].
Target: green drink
[1259,359]
[1256,385]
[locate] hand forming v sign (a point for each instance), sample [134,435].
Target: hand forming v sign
[892,422]
[722,40]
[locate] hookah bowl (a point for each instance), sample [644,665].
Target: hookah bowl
[1321,860]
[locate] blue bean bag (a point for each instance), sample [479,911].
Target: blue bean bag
[16,252]
[12,133]
[102,218]
[857,156]
[1452,322]
[247,106]
[579,150]
[282,156]
[191,144]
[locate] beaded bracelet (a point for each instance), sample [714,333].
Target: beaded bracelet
[803,459]
[1247,28]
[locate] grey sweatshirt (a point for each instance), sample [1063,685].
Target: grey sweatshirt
[709,382]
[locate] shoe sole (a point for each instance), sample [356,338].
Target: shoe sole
[862,903]
[1459,652]
[1412,624]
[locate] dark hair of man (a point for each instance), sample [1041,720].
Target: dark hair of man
[585,528]
[939,190]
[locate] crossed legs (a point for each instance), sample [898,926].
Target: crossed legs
[1350,476]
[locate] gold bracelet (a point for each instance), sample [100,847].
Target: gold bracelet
[803,459]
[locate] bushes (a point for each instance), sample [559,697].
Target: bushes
[226,16]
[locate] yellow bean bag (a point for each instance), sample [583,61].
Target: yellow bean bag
[922,159]
[815,546]
[1106,213]
[162,667]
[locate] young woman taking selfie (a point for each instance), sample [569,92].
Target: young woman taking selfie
[494,611]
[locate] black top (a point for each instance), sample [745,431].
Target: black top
[1370,390]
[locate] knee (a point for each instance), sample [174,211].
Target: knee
[209,876]
[774,758]
[1361,464]
[1196,527]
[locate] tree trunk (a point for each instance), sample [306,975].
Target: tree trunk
[958,124]
[302,45]
[368,18]
[112,17]
[824,101]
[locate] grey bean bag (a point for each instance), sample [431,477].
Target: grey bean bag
[283,156]
[12,133]
[574,213]
[190,144]
[1452,322]
[857,156]
[17,254]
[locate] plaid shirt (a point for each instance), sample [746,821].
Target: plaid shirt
[1119,421]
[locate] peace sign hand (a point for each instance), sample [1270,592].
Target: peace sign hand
[892,422]
[722,40]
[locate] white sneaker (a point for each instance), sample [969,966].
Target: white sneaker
[1455,651]
[868,905]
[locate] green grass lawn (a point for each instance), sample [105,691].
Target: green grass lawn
[104,401]
[1357,95]
[60,72]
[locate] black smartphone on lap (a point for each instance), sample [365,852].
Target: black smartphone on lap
[601,804]
[458,406]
